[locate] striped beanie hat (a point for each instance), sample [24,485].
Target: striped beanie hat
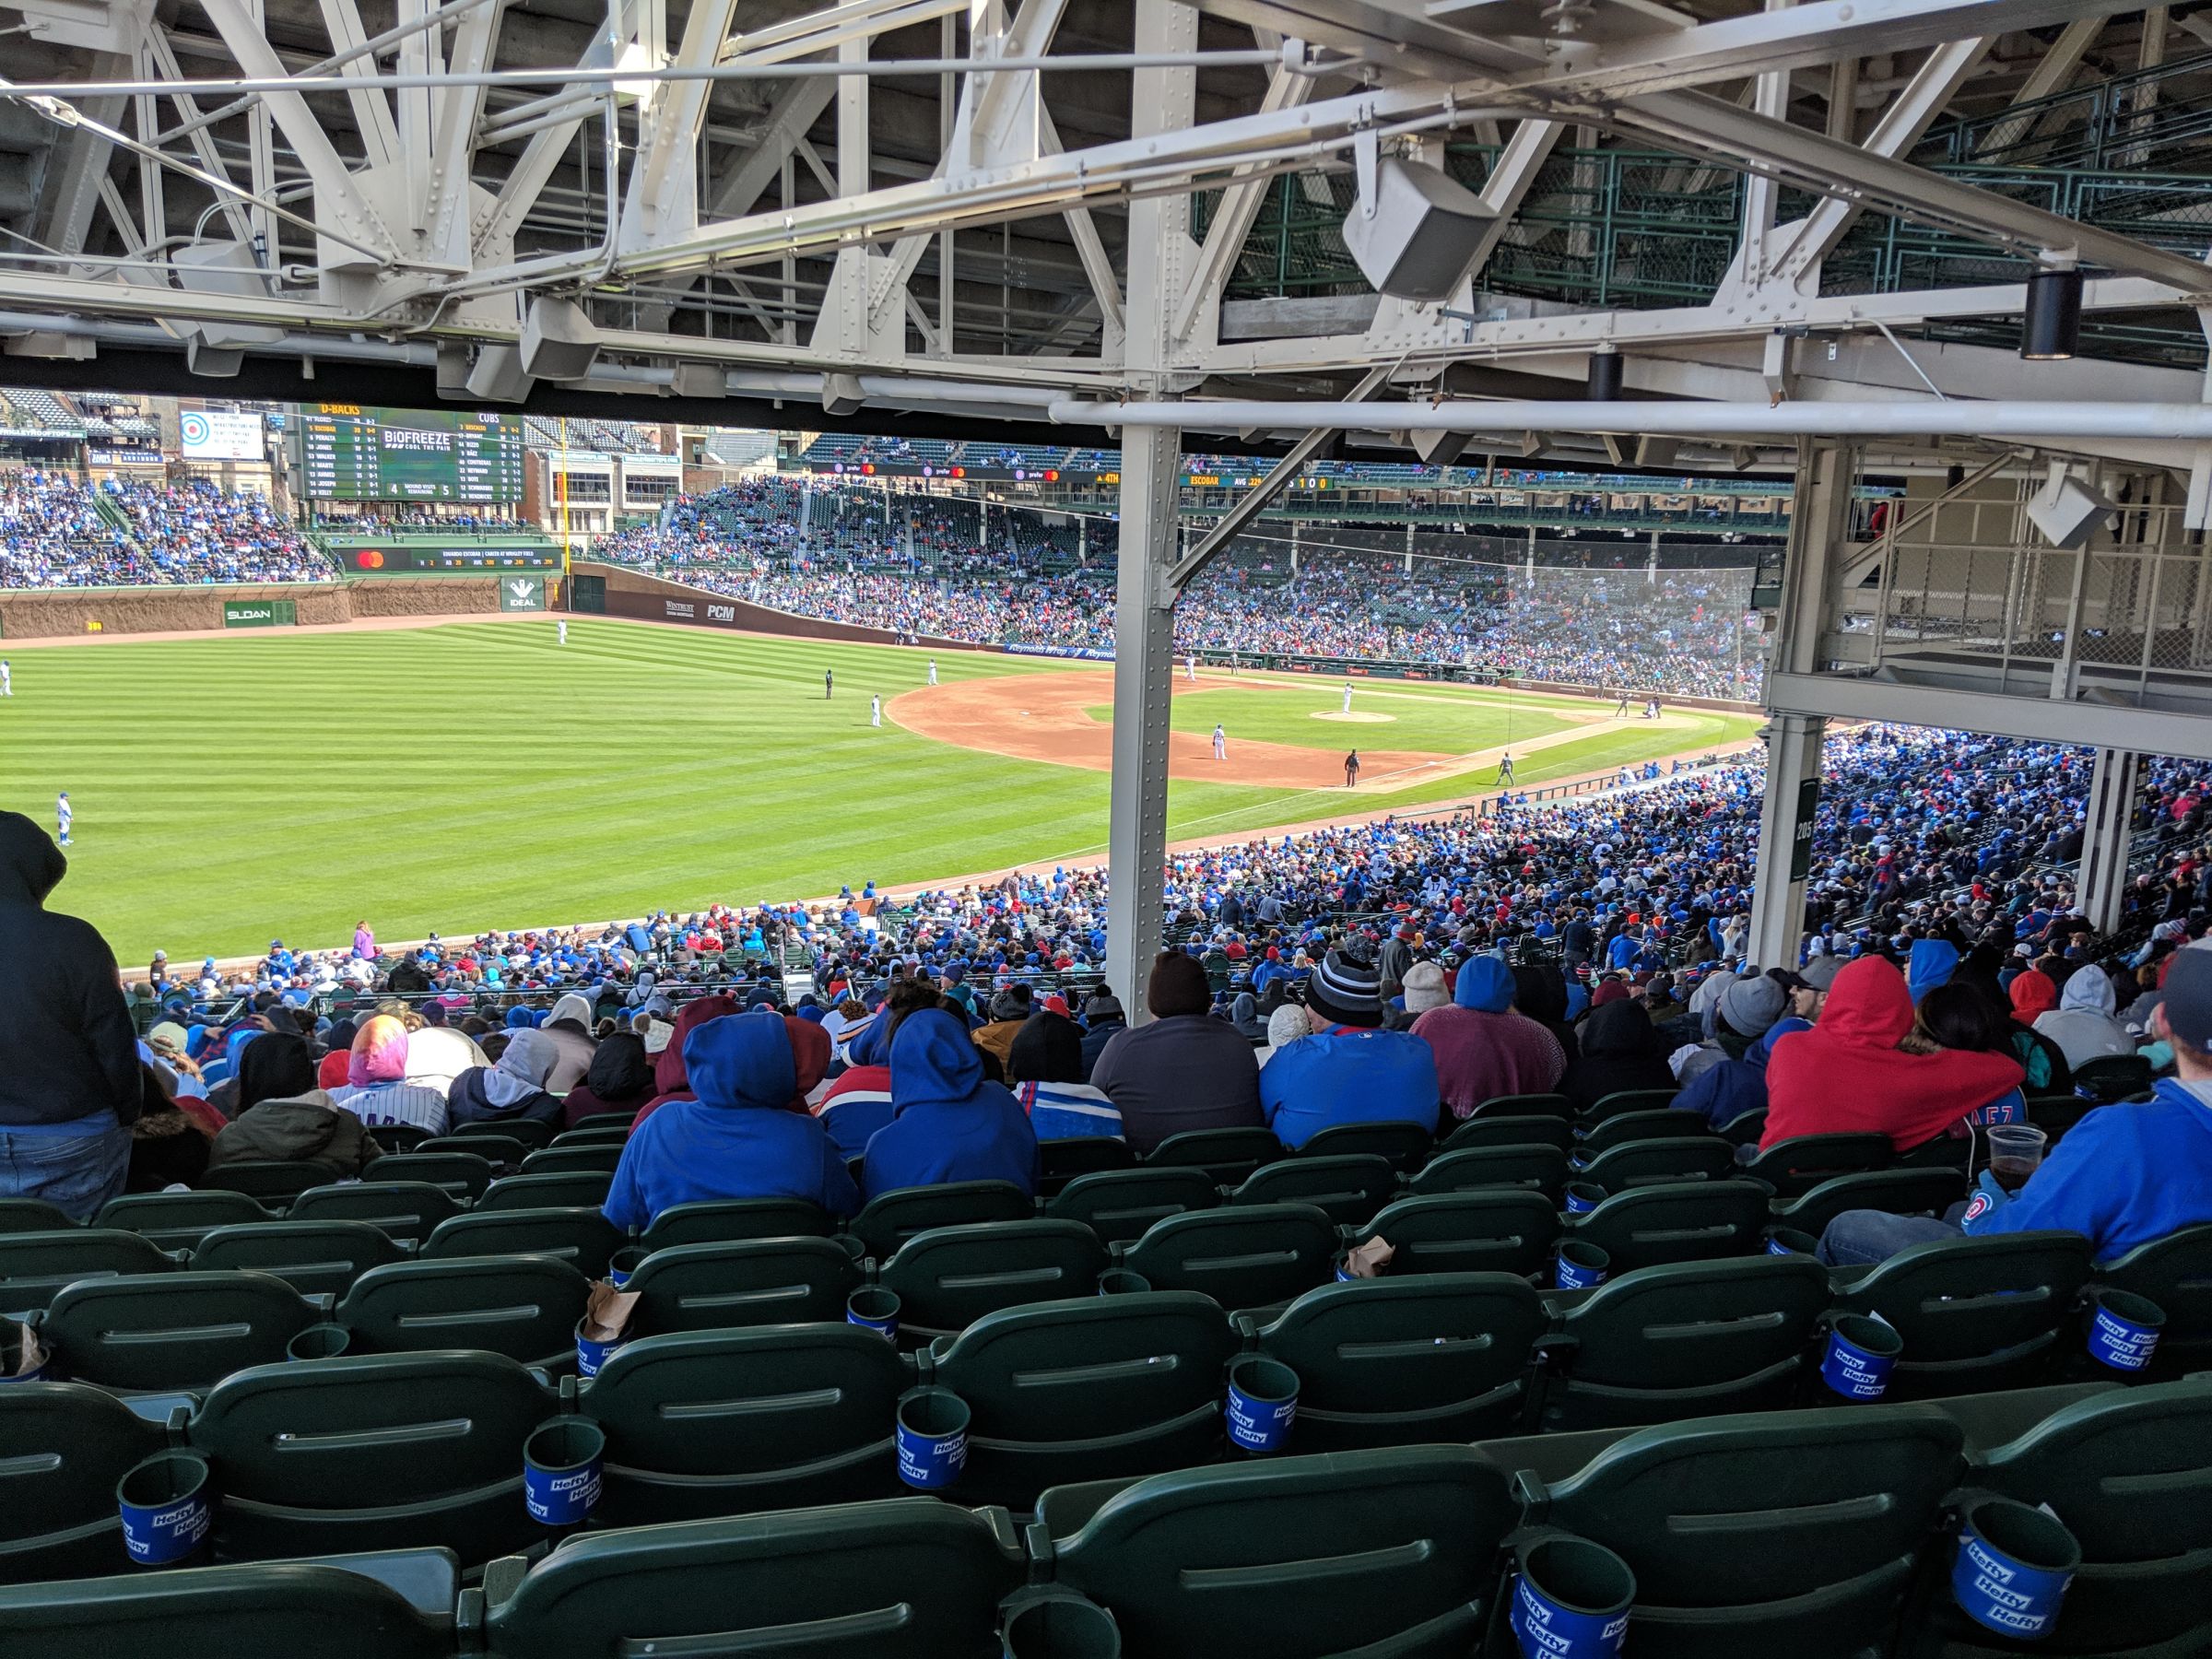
[1344,990]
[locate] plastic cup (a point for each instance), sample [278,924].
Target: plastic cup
[1579,1266]
[874,1309]
[1062,1627]
[590,1355]
[1582,1196]
[2015,1151]
[2122,1329]
[1262,1403]
[1862,1352]
[1120,1282]
[167,1509]
[1789,1242]
[562,1461]
[933,1438]
[624,1262]
[319,1342]
[2013,1567]
[1570,1600]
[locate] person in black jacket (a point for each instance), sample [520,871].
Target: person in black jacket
[70,1082]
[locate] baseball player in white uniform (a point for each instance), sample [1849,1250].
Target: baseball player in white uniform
[1220,743]
[875,711]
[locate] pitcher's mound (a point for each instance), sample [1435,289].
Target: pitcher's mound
[1357,717]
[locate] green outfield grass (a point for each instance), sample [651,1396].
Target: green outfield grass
[472,776]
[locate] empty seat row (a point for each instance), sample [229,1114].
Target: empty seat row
[1825,1534]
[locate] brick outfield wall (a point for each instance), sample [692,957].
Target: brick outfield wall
[46,613]
[634,596]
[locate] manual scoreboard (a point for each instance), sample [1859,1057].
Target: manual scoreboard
[350,452]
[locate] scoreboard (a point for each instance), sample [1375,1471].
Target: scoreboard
[348,452]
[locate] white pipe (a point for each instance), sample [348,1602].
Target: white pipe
[1959,418]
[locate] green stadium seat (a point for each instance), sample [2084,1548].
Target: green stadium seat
[2112,1077]
[398,1137]
[1227,1156]
[372,1452]
[1642,1162]
[752,1282]
[948,1277]
[316,1258]
[404,1211]
[397,1606]
[1687,1339]
[2130,1473]
[1060,1162]
[525,1308]
[274,1182]
[614,1135]
[576,1189]
[1093,1388]
[178,1220]
[502,1151]
[1626,1100]
[1664,1124]
[1119,1205]
[1390,1551]
[889,1219]
[1524,1105]
[35,1215]
[1901,1192]
[1674,1221]
[1530,1167]
[529,1131]
[1793,1533]
[461,1176]
[1977,1313]
[62,1448]
[907,1578]
[1796,1166]
[605,1121]
[172,1330]
[2176,1272]
[1407,1144]
[1501,1231]
[35,1265]
[1250,1256]
[730,1220]
[1395,1362]
[702,1423]
[582,1237]
[566,1160]
[1524,1131]
[1347,1188]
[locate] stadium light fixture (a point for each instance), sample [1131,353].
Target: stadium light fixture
[2051,325]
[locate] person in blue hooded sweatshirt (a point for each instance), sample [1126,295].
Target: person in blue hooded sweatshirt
[738,1138]
[947,1124]
[1931,963]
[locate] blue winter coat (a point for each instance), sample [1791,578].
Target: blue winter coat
[738,1138]
[1346,1075]
[946,1123]
[1723,1093]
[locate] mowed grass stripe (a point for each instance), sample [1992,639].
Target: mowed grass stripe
[464,776]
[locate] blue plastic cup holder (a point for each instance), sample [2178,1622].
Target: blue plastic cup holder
[874,1309]
[624,1262]
[563,1461]
[2123,1329]
[1062,1627]
[1579,1266]
[2013,1567]
[1570,1599]
[590,1355]
[1862,1352]
[1263,1404]
[1789,1242]
[1582,1196]
[933,1438]
[168,1508]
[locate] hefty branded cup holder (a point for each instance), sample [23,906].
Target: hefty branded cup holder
[624,1262]
[1569,1599]
[167,1509]
[855,1248]
[1120,1282]
[562,1464]
[1579,1266]
[590,1355]
[1062,1627]
[933,1438]
[319,1342]
[1582,1196]
[2122,1328]
[2013,1567]
[1789,1242]
[17,1343]
[1862,1352]
[1262,1403]
[874,1309]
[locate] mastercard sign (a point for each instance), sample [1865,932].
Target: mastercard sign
[368,559]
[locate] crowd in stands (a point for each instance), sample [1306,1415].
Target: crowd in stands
[53,533]
[1384,971]
[931,565]
[388,521]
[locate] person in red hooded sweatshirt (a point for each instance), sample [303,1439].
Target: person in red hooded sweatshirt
[1847,1075]
[671,1081]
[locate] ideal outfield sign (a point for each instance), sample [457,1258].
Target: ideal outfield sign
[523,593]
[260,613]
